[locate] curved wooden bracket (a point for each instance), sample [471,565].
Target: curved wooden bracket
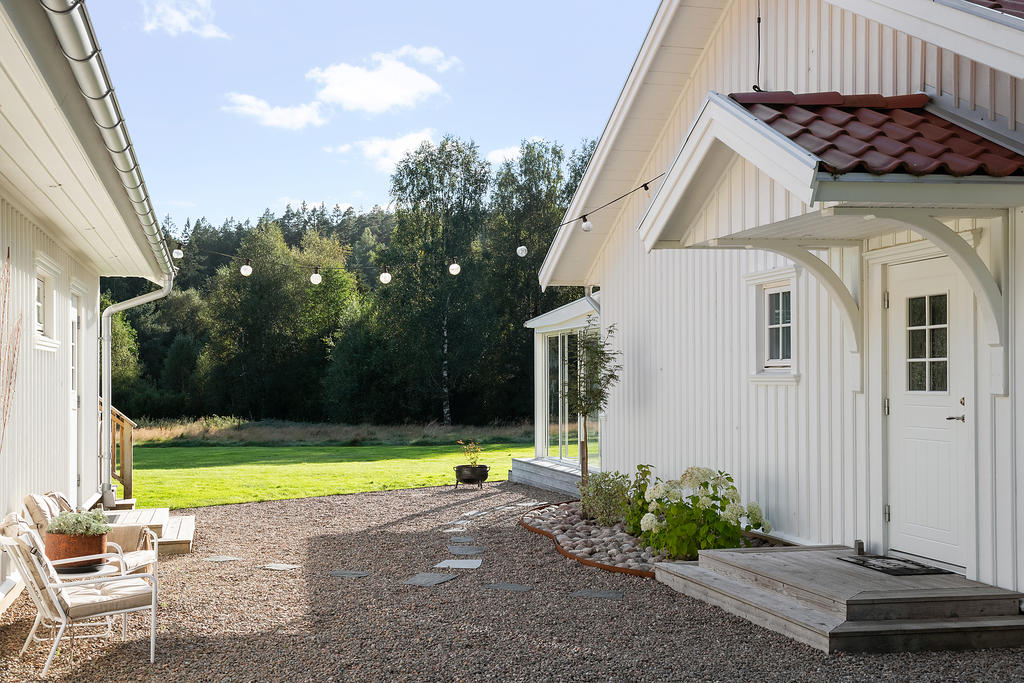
[966,260]
[831,281]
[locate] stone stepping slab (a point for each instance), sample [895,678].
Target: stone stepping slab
[461,539]
[428,579]
[458,564]
[280,567]
[593,593]
[221,558]
[349,573]
[455,530]
[514,587]
[466,550]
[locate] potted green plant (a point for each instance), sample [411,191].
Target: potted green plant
[76,534]
[472,472]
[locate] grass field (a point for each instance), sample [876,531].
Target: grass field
[194,476]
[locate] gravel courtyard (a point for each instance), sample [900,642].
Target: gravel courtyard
[236,622]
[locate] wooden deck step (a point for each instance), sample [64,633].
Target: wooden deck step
[829,631]
[178,534]
[813,576]
[124,504]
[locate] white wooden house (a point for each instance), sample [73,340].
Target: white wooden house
[73,208]
[820,294]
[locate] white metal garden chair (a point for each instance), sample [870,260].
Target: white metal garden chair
[89,603]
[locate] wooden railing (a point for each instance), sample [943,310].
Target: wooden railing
[122,443]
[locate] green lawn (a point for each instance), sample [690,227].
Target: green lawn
[193,476]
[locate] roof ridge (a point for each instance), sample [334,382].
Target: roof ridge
[833,99]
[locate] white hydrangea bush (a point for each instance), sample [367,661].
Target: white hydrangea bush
[700,510]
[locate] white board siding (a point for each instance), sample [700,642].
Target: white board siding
[36,450]
[685,318]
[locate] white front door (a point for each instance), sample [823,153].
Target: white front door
[930,425]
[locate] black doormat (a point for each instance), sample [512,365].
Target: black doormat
[894,566]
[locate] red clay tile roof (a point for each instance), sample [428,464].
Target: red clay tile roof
[876,134]
[1012,7]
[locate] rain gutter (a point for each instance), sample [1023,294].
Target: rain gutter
[70,21]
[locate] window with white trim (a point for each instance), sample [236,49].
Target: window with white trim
[778,317]
[773,325]
[45,315]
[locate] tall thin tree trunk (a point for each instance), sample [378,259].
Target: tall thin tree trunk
[584,456]
[447,405]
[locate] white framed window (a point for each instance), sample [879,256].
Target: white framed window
[774,324]
[778,326]
[45,318]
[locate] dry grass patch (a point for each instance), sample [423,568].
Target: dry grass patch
[237,431]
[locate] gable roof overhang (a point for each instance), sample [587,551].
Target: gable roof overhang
[984,35]
[675,41]
[55,164]
[725,130]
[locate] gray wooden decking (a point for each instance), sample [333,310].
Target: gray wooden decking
[809,595]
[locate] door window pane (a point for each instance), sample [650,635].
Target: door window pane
[554,394]
[937,306]
[937,348]
[937,376]
[916,308]
[917,378]
[917,344]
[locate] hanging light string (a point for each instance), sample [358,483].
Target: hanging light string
[454,268]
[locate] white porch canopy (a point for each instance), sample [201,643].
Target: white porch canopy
[836,211]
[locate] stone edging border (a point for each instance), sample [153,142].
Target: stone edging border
[571,556]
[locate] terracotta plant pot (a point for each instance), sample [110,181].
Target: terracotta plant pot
[61,546]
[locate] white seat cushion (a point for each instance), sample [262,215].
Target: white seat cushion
[139,560]
[87,601]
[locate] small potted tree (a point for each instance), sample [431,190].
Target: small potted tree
[597,372]
[472,472]
[76,534]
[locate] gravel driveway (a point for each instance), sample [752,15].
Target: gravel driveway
[236,622]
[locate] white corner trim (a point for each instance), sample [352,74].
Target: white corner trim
[775,378]
[767,277]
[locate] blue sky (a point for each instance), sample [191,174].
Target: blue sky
[236,106]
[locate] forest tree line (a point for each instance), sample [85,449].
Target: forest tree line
[427,346]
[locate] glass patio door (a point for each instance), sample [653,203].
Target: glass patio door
[564,425]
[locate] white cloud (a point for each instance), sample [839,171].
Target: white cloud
[175,17]
[338,149]
[389,84]
[503,154]
[292,118]
[385,153]
[428,54]
[497,156]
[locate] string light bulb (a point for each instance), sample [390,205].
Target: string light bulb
[647,189]
[316,278]
[521,251]
[586,226]
[385,277]
[454,268]
[178,252]
[246,269]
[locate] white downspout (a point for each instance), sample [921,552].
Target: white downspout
[106,461]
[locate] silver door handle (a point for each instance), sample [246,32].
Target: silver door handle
[961,418]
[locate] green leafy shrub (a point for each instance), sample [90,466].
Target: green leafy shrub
[636,502]
[604,497]
[92,523]
[699,511]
